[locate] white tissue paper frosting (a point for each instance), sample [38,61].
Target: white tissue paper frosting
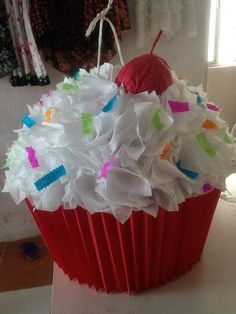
[118,152]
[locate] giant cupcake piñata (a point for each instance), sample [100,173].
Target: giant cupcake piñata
[122,171]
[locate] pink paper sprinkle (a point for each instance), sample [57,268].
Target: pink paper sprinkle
[213,107]
[31,156]
[178,106]
[49,93]
[106,167]
[207,187]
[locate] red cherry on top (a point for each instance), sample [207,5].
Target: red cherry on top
[146,73]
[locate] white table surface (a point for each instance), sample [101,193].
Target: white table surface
[210,288]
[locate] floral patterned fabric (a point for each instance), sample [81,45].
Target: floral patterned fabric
[7,57]
[59,27]
[30,69]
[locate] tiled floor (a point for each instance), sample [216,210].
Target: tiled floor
[26,301]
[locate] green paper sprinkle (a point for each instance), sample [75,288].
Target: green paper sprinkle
[87,122]
[203,141]
[226,139]
[156,120]
[69,87]
[8,163]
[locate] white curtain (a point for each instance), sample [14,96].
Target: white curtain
[176,17]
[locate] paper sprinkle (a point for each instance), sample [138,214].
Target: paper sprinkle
[213,107]
[189,173]
[207,187]
[50,177]
[106,167]
[156,120]
[111,103]
[165,153]
[32,157]
[76,75]
[8,163]
[48,115]
[203,141]
[49,94]
[87,122]
[199,100]
[177,106]
[69,87]
[28,121]
[209,124]
[41,102]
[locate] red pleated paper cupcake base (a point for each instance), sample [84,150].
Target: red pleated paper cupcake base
[138,255]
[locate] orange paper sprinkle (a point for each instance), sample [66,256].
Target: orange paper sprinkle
[164,155]
[208,124]
[48,115]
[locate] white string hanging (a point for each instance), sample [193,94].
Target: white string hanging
[233,130]
[102,17]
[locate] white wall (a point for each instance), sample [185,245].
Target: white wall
[221,88]
[188,58]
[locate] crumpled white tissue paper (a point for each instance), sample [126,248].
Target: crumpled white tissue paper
[120,152]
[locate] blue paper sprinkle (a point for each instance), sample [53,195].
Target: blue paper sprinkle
[199,100]
[76,75]
[111,103]
[189,173]
[28,121]
[50,177]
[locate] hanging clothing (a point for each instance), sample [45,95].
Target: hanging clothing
[177,18]
[30,68]
[8,60]
[59,27]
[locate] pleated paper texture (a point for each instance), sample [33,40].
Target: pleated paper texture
[143,253]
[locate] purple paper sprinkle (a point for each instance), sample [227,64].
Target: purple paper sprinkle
[32,157]
[50,92]
[207,187]
[106,167]
[178,106]
[213,107]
